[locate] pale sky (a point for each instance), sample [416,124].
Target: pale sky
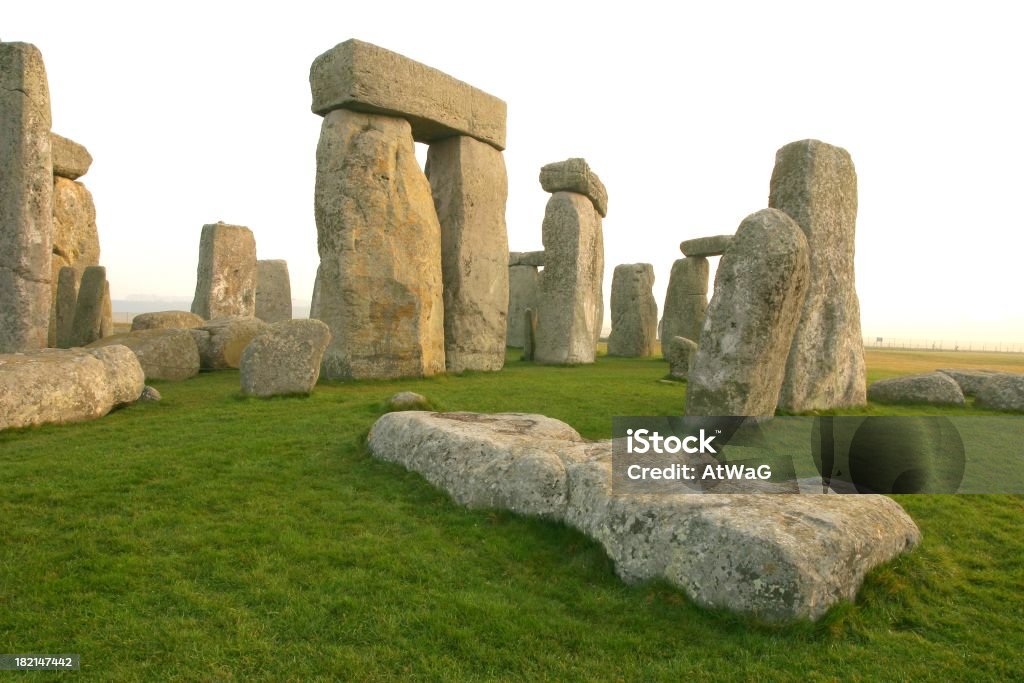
[198,112]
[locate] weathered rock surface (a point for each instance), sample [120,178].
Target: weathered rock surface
[90,307]
[1003,391]
[66,385]
[166,320]
[222,340]
[529,333]
[759,291]
[526,258]
[76,241]
[970,380]
[408,400]
[679,351]
[686,299]
[168,354]
[574,175]
[470,187]
[71,160]
[634,311]
[571,303]
[107,316]
[64,308]
[150,394]
[226,275]
[776,557]
[363,77]
[523,290]
[379,281]
[816,185]
[273,291]
[934,388]
[26,199]
[284,359]
[706,246]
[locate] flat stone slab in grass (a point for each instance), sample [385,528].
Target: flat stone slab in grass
[66,385]
[777,557]
[934,388]
[170,354]
[363,77]
[1004,391]
[706,246]
[970,380]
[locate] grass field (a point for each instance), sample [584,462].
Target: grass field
[211,537]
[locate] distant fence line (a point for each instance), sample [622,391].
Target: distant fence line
[941,345]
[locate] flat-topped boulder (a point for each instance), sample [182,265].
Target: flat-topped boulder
[167,320]
[364,77]
[71,160]
[168,354]
[806,552]
[934,388]
[574,175]
[284,359]
[970,380]
[222,340]
[66,385]
[706,246]
[526,258]
[1004,391]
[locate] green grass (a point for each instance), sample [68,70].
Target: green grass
[211,537]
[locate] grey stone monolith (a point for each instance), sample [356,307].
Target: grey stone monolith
[529,333]
[26,199]
[273,291]
[76,241]
[523,290]
[634,311]
[686,299]
[470,187]
[90,307]
[816,185]
[379,285]
[571,304]
[679,352]
[226,275]
[107,316]
[67,301]
[759,292]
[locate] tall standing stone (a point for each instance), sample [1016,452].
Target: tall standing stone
[759,291]
[816,185]
[226,275]
[273,291]
[107,316]
[470,188]
[523,290]
[67,301]
[379,280]
[686,299]
[634,311]
[89,310]
[529,333]
[26,199]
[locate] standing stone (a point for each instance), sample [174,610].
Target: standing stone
[470,187]
[107,319]
[523,290]
[529,333]
[89,309]
[571,304]
[67,301]
[226,276]
[380,251]
[686,299]
[26,199]
[679,352]
[285,359]
[76,241]
[816,185]
[273,291]
[759,291]
[634,311]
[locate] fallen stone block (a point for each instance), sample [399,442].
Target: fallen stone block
[222,341]
[166,320]
[934,388]
[168,354]
[1004,391]
[284,359]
